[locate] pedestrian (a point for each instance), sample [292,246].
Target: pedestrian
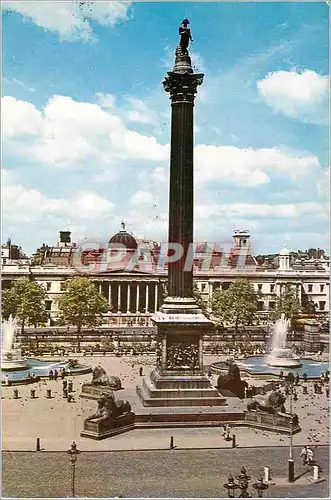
[63,373]
[224,431]
[56,374]
[304,376]
[141,371]
[303,455]
[295,395]
[50,374]
[327,391]
[310,456]
[6,380]
[281,374]
[315,387]
[297,379]
[227,432]
[209,373]
[64,384]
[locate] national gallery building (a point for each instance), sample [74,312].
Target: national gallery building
[136,283]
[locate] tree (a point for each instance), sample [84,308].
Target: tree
[287,303]
[82,305]
[201,303]
[236,305]
[26,301]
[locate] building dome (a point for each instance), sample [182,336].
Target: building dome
[124,238]
[285,251]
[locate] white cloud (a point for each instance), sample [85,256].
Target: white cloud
[67,132]
[106,100]
[249,166]
[19,118]
[142,198]
[71,19]
[261,210]
[303,96]
[140,112]
[23,207]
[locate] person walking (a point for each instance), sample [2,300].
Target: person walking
[327,391]
[56,374]
[50,374]
[310,456]
[303,455]
[297,379]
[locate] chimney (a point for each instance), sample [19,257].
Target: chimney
[65,239]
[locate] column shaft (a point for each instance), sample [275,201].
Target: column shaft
[119,297]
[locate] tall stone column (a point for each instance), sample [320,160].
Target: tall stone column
[179,378]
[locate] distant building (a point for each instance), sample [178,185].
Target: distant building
[135,284]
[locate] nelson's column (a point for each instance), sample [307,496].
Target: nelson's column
[178,379]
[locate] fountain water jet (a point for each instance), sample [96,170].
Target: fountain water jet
[282,356]
[11,355]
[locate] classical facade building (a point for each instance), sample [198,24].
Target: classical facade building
[135,281]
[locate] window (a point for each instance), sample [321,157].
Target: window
[322,305]
[310,288]
[203,287]
[48,286]
[272,288]
[272,305]
[321,288]
[48,305]
[62,286]
[259,288]
[260,305]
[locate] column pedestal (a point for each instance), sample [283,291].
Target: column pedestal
[179,379]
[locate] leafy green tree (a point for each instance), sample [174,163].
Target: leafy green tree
[287,303]
[236,305]
[82,305]
[25,300]
[199,300]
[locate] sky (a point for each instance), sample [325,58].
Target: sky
[86,122]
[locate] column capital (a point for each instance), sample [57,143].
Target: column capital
[182,87]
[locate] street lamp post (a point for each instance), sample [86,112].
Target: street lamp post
[243,479]
[231,486]
[290,458]
[73,452]
[260,486]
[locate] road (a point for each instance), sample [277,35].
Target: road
[173,473]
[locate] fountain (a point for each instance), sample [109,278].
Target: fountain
[280,355]
[11,355]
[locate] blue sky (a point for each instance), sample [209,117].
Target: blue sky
[86,121]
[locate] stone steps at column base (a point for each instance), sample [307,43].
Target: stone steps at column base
[173,392]
[182,398]
[181,419]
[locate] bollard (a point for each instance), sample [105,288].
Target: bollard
[65,393]
[233,440]
[48,394]
[38,444]
[171,443]
[70,386]
[315,473]
[304,389]
[32,394]
[266,474]
[15,393]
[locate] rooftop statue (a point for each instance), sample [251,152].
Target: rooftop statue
[185,36]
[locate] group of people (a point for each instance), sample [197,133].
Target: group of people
[53,375]
[307,456]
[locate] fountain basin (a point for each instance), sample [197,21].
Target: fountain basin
[15,364]
[41,368]
[283,357]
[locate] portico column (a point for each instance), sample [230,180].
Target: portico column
[137,302]
[128,298]
[211,292]
[119,297]
[147,290]
[156,296]
[109,295]
[99,287]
